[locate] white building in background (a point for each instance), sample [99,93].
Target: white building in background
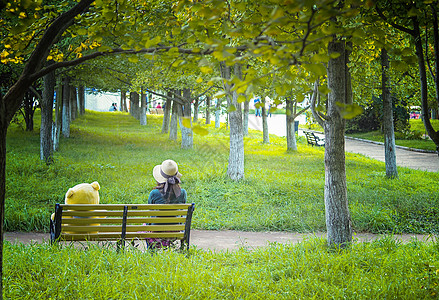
[101,101]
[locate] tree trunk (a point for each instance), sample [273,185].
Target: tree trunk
[246,113]
[28,102]
[56,130]
[81,99]
[265,135]
[208,110]
[142,117]
[338,220]
[290,132]
[235,169]
[73,104]
[123,101]
[196,105]
[217,113]
[66,108]
[187,141]
[46,144]
[173,131]
[167,113]
[134,105]
[389,134]
[434,135]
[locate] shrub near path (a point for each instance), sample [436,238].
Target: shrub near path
[282,191]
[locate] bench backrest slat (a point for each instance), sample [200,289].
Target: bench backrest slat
[76,222]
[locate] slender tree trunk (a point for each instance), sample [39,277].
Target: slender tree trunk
[46,144]
[217,113]
[142,117]
[434,135]
[167,114]
[291,134]
[81,99]
[266,137]
[208,110]
[173,131]
[196,105]
[28,111]
[187,140]
[235,169]
[389,134]
[73,103]
[56,130]
[338,220]
[123,101]
[246,113]
[66,108]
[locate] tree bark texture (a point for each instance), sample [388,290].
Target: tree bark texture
[66,108]
[173,130]
[218,113]
[338,220]
[142,117]
[46,143]
[265,135]
[134,105]
[81,99]
[208,98]
[167,114]
[123,101]
[389,134]
[246,113]
[73,103]
[196,110]
[187,140]
[56,130]
[235,169]
[290,132]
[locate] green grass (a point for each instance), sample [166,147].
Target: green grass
[383,269]
[281,191]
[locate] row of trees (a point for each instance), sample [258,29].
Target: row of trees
[295,48]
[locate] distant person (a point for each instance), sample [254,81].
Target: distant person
[158,105]
[258,109]
[113,107]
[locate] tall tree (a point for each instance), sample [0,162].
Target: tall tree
[46,143]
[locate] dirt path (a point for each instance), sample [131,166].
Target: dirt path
[228,239]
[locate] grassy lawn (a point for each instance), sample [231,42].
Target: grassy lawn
[281,191]
[415,125]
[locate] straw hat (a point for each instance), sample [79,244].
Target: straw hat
[168,167]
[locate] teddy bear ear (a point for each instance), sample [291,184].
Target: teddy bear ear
[69,193]
[95,185]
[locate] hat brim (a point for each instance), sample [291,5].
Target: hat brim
[158,176]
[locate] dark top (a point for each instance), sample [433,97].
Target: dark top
[156,198]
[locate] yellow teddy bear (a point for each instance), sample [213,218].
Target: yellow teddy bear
[83,193]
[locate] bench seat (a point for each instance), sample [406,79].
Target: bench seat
[121,222]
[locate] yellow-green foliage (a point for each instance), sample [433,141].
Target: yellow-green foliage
[281,190]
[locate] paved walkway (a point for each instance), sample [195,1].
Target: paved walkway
[227,239]
[231,240]
[405,157]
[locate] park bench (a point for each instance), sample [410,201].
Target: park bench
[122,222]
[314,140]
[156,111]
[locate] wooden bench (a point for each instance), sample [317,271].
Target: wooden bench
[314,140]
[156,111]
[122,222]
